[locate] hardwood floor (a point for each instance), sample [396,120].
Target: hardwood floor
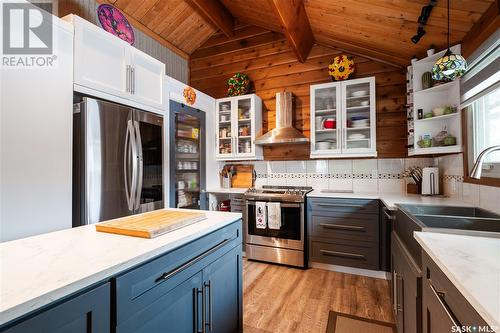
[279,299]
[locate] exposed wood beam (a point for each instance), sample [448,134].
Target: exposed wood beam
[482,29]
[380,56]
[296,27]
[217,14]
[150,33]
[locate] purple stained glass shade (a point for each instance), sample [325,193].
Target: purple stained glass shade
[113,21]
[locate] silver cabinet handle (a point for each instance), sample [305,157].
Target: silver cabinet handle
[440,295]
[342,205]
[399,306]
[342,254]
[132,81]
[210,304]
[127,78]
[342,227]
[140,167]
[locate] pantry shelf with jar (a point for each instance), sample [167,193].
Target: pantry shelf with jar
[238,122]
[343,119]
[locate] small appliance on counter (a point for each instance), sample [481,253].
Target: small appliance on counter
[430,181]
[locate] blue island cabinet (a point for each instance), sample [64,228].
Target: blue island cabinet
[194,288]
[173,295]
[87,312]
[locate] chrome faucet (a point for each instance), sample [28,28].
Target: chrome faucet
[478,166]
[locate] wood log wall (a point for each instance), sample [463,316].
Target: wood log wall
[272,66]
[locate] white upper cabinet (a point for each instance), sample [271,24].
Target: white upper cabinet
[238,122]
[106,64]
[343,119]
[147,78]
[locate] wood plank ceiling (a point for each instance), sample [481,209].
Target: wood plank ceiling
[380,29]
[176,21]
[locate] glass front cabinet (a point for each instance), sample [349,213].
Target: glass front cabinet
[238,122]
[343,122]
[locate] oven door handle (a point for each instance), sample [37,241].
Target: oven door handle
[282,204]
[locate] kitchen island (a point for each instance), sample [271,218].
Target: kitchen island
[79,279]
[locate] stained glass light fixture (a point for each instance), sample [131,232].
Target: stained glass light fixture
[450,65]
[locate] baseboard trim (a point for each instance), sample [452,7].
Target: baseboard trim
[351,270]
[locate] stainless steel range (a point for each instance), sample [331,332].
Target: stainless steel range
[282,241]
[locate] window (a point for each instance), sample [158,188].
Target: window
[484,128]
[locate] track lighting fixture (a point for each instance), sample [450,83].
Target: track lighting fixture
[422,20]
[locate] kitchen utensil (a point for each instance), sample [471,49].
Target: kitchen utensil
[329,123]
[439,111]
[323,145]
[242,176]
[152,224]
[319,123]
[426,80]
[425,143]
[356,136]
[359,93]
[450,140]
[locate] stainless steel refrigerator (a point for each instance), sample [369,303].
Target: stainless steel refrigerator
[117,161]
[187,157]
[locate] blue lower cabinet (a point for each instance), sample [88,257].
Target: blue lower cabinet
[178,311]
[196,288]
[223,285]
[208,301]
[88,312]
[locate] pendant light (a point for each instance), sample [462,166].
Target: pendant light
[450,66]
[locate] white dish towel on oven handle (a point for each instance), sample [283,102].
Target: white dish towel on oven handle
[260,215]
[274,215]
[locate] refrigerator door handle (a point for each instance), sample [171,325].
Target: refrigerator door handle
[140,168]
[130,153]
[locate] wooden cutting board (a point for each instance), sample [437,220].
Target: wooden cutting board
[243,178]
[152,224]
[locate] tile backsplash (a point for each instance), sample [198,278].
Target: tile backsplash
[451,167]
[362,175]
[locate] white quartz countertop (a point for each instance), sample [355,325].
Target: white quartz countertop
[38,270]
[232,190]
[472,264]
[390,199]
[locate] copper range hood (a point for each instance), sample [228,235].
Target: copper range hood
[284,133]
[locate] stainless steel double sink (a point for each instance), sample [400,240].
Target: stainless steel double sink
[454,217]
[471,221]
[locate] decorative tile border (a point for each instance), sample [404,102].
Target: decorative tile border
[453,178]
[327,176]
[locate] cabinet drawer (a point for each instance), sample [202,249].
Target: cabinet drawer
[442,290]
[362,255]
[358,206]
[146,283]
[87,312]
[357,227]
